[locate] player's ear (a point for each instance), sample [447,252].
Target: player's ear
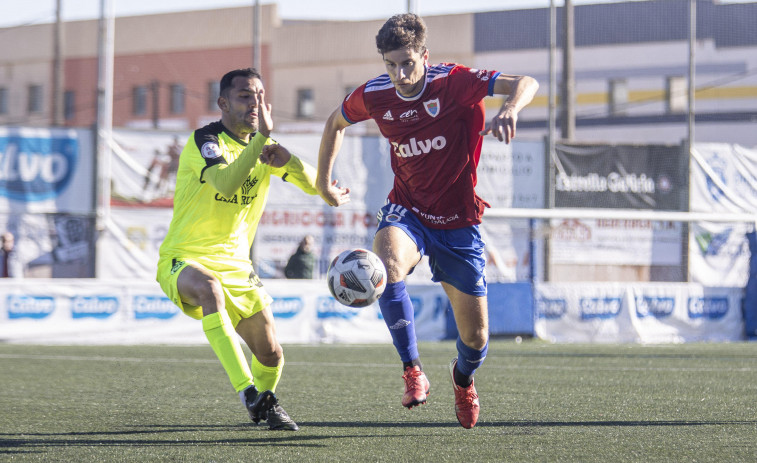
[223,103]
[425,56]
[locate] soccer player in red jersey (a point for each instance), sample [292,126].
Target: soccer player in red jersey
[434,119]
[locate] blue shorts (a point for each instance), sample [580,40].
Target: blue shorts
[455,256]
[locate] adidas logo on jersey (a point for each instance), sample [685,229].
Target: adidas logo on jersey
[388,116]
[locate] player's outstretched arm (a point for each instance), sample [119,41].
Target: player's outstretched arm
[227,178]
[289,167]
[520,91]
[331,142]
[275,155]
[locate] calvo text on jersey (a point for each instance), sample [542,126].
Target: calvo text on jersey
[417,147]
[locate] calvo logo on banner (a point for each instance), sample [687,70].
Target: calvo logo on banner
[36,165]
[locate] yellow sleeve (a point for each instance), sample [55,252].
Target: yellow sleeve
[298,173]
[228,178]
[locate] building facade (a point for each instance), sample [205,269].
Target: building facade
[630,64]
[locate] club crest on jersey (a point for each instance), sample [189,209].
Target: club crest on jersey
[210,150]
[432,107]
[481,74]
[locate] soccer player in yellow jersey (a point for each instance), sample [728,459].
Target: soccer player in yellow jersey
[222,185]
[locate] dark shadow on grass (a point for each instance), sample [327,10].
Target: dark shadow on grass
[11,443]
[273,439]
[157,429]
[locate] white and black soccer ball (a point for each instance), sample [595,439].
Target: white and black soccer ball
[357,278]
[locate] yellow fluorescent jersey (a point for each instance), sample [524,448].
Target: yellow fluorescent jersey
[216,226]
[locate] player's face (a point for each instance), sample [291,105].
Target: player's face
[240,106]
[406,67]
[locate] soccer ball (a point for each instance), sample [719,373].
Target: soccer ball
[357,278]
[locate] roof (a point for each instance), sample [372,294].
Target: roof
[728,25]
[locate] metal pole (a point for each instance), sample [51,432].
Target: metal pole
[105,104]
[568,121]
[692,71]
[551,133]
[257,23]
[552,82]
[57,106]
[104,123]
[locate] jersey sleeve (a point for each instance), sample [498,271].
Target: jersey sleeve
[298,173]
[228,178]
[472,85]
[353,106]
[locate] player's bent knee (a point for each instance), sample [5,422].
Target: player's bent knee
[476,339]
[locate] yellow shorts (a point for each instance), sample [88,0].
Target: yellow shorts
[243,291]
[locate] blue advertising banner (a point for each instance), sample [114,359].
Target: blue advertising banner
[46,170]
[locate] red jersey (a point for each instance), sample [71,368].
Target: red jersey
[435,141]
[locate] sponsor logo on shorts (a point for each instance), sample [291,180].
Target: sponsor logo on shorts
[438,219]
[391,218]
[177,265]
[394,214]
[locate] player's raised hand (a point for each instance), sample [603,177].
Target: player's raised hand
[333,195]
[275,155]
[502,125]
[265,121]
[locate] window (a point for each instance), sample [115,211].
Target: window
[139,100]
[305,103]
[3,100]
[676,94]
[214,90]
[177,99]
[34,104]
[618,97]
[69,104]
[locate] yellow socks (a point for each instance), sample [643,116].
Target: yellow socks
[266,378]
[222,338]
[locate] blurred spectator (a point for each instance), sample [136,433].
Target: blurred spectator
[300,265]
[10,265]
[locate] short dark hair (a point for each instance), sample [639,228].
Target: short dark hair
[229,76]
[402,31]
